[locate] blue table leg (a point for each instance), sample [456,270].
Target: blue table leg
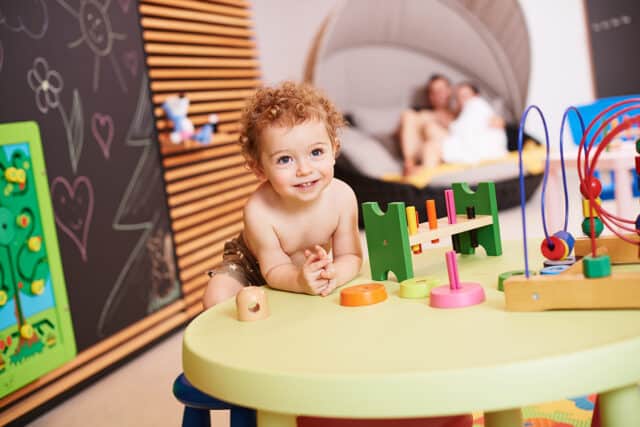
[195,417]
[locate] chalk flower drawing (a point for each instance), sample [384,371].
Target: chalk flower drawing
[46,83]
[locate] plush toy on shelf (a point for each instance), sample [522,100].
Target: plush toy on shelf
[177,108]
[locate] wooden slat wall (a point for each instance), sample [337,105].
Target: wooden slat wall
[204,49]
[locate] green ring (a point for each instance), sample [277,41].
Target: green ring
[418,287]
[507,274]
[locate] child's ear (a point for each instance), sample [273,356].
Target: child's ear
[255,167]
[336,150]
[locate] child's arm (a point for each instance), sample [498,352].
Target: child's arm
[275,265]
[347,252]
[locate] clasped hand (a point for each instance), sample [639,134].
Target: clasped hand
[318,273]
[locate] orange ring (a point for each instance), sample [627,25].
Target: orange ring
[370,293]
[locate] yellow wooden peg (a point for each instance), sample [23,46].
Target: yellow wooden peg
[412,221]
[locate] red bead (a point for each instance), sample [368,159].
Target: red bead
[554,250]
[638,165]
[593,184]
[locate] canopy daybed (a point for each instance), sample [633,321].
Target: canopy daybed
[373,57]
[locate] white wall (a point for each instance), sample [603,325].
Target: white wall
[560,63]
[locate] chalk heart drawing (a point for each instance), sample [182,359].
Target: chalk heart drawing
[102,129]
[130,60]
[73,208]
[124,5]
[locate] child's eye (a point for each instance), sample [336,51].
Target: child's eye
[317,152]
[284,160]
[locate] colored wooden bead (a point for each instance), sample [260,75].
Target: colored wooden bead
[599,266]
[638,224]
[570,260]
[554,248]
[638,165]
[593,185]
[586,205]
[553,270]
[252,304]
[638,145]
[597,224]
[568,239]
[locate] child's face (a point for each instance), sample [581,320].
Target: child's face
[297,161]
[463,94]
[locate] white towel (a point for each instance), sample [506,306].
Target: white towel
[471,139]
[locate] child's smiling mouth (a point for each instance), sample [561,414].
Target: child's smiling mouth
[306,185]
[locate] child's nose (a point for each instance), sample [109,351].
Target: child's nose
[303,168]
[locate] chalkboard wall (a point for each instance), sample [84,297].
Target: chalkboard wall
[614,29]
[76,67]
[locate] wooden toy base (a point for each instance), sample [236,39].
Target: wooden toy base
[572,291]
[620,251]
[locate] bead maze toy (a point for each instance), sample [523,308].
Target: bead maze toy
[392,237]
[590,283]
[36,334]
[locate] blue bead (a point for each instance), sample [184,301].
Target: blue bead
[567,237]
[553,269]
[638,222]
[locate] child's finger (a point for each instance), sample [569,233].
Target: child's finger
[323,289]
[310,259]
[331,285]
[318,265]
[321,252]
[329,272]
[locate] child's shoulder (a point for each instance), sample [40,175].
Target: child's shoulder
[258,202]
[341,191]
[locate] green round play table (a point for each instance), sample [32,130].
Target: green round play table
[401,358]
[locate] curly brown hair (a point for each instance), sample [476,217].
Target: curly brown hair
[287,104]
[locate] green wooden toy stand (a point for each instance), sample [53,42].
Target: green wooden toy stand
[388,240]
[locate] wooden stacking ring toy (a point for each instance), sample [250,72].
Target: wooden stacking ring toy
[370,293]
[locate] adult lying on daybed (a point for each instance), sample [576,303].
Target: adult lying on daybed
[466,130]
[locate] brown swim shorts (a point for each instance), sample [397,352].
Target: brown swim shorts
[239,263]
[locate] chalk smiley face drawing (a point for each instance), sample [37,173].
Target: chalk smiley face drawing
[95,23]
[97,33]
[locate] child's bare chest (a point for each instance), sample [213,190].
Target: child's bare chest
[299,232]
